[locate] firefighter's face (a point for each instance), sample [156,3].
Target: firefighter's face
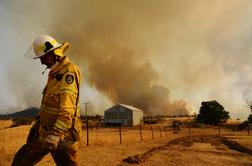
[49,59]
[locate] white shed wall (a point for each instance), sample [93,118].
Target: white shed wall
[137,117]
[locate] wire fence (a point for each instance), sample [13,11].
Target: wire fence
[120,135]
[11,139]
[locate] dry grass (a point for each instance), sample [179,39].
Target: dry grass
[5,124]
[11,139]
[105,147]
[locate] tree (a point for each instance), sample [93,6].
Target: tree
[250,118]
[211,112]
[249,105]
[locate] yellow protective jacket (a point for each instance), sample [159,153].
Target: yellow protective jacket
[59,112]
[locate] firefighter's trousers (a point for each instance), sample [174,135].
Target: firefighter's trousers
[31,153]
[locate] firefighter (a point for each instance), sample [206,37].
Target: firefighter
[58,126]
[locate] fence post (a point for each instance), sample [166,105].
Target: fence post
[190,130]
[140,133]
[97,133]
[87,131]
[85,104]
[120,133]
[219,130]
[152,132]
[160,132]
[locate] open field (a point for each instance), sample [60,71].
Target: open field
[105,147]
[5,123]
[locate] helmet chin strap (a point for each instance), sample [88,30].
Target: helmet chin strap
[44,70]
[48,67]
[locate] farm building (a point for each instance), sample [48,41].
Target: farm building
[123,114]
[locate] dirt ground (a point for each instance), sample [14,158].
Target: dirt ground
[166,148]
[196,150]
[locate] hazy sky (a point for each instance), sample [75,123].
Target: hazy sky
[185,51]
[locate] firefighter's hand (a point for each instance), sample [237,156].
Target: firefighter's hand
[51,142]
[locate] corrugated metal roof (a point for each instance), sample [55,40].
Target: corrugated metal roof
[126,106]
[130,107]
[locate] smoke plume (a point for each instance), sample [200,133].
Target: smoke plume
[161,56]
[103,45]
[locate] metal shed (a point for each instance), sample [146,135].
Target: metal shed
[125,115]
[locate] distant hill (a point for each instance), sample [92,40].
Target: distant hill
[26,113]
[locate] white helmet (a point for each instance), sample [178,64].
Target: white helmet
[44,44]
